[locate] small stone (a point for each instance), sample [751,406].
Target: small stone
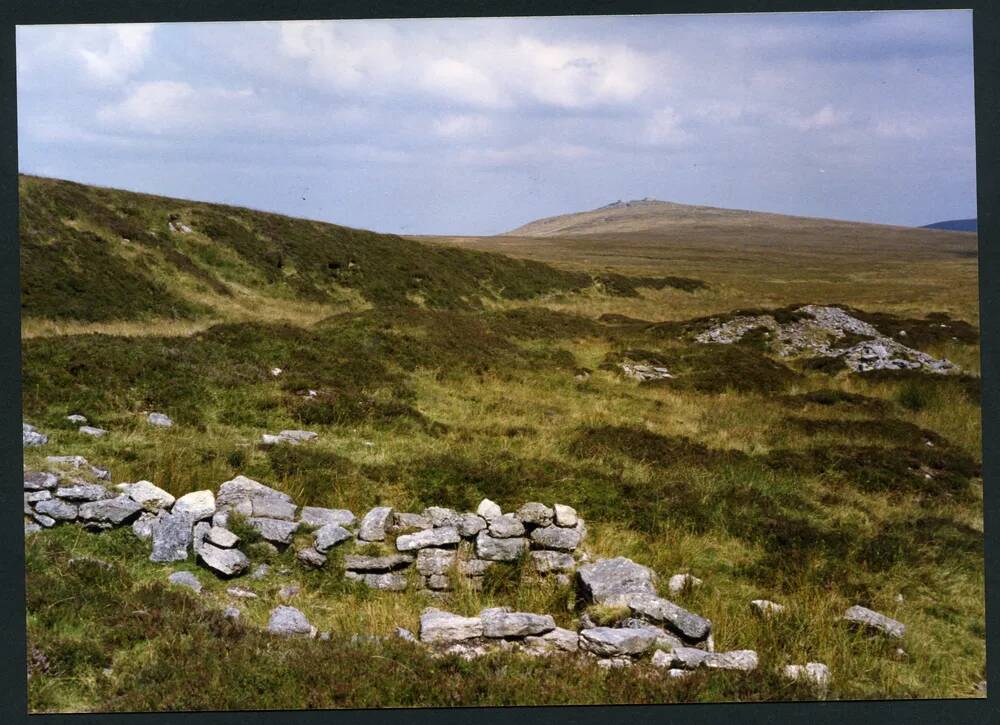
[310,557]
[261,571]
[57,509]
[226,562]
[38,481]
[405,634]
[438,627]
[147,495]
[160,420]
[355,562]
[288,592]
[430,537]
[493,549]
[505,527]
[374,523]
[319,517]
[680,583]
[172,533]
[470,524]
[742,660]
[83,492]
[77,418]
[441,517]
[31,438]
[766,608]
[297,436]
[277,531]
[90,430]
[329,536]
[564,516]
[874,621]
[223,538]
[186,579]
[435,561]
[389,581]
[500,622]
[552,561]
[815,673]
[231,613]
[198,505]
[288,622]
[564,640]
[489,510]
[614,663]
[46,521]
[404,522]
[557,537]
[535,514]
[143,526]
[241,593]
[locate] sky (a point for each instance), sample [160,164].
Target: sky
[476,126]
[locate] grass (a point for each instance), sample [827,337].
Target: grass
[762,477]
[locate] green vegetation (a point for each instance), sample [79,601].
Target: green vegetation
[442,377]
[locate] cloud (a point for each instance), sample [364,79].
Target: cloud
[159,107]
[825,118]
[462,126]
[664,129]
[98,55]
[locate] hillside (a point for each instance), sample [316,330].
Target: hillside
[955,225]
[680,222]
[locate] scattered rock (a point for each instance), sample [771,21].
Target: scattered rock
[226,562]
[607,579]
[311,557]
[319,517]
[186,579]
[199,505]
[873,621]
[766,608]
[680,583]
[241,593]
[430,537]
[613,642]
[83,492]
[289,622]
[90,430]
[437,627]
[374,523]
[160,420]
[815,673]
[31,438]
[77,418]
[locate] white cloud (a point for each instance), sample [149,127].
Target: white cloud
[100,55]
[462,126]
[165,106]
[664,129]
[825,118]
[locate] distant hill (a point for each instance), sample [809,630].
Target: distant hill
[650,216]
[96,254]
[955,225]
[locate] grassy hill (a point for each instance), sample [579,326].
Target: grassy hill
[442,375]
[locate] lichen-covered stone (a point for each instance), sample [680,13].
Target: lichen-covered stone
[320,517]
[445,536]
[535,514]
[356,562]
[493,549]
[438,627]
[505,527]
[873,621]
[501,622]
[374,524]
[171,537]
[435,561]
[329,536]
[606,579]
[199,505]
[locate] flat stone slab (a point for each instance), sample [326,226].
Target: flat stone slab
[493,549]
[388,581]
[563,640]
[160,420]
[223,538]
[613,641]
[444,536]
[355,562]
[90,430]
[607,579]
[742,660]
[277,531]
[688,625]
[39,481]
[147,495]
[440,517]
[329,536]
[57,509]
[374,524]
[319,517]
[226,562]
[557,537]
[501,622]
[254,499]
[83,492]
[505,527]
[550,561]
[113,511]
[873,621]
[404,522]
[185,579]
[438,627]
